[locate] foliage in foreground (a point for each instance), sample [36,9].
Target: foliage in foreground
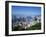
[34,27]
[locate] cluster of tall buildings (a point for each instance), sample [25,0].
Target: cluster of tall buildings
[25,22]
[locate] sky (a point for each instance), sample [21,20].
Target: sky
[26,10]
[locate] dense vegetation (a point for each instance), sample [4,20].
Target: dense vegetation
[34,27]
